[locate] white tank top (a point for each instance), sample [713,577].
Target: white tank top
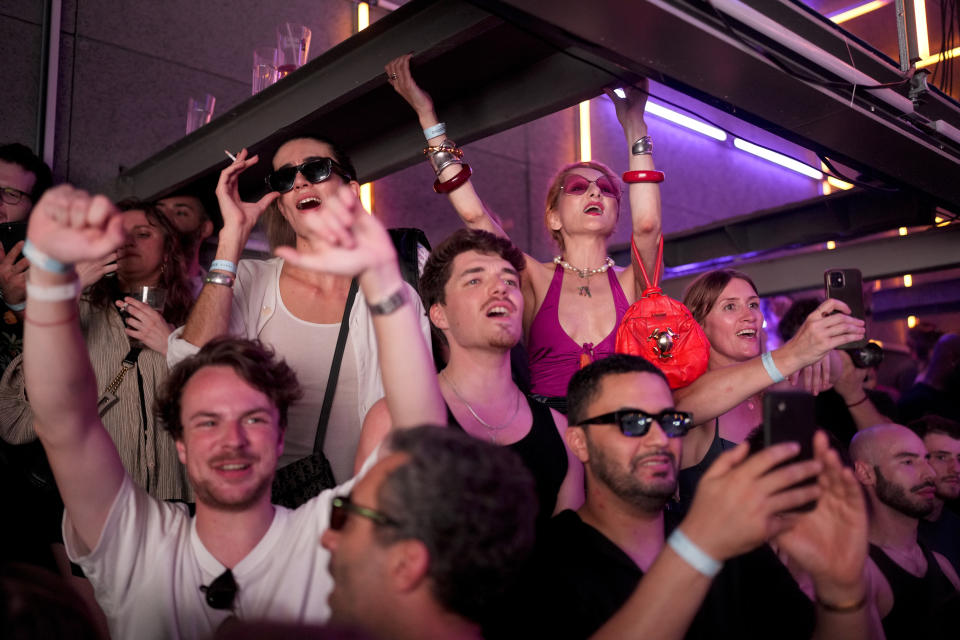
[308,349]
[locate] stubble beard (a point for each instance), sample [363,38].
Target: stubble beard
[207,494]
[649,497]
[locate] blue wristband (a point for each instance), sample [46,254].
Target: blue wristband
[224,265]
[41,260]
[436,130]
[693,555]
[772,371]
[15,306]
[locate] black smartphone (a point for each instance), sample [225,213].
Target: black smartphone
[790,416]
[11,233]
[846,285]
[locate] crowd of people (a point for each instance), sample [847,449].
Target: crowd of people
[431,485]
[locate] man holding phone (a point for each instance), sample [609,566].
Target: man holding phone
[915,590]
[23,179]
[626,431]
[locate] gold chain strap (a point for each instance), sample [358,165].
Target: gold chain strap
[115,384]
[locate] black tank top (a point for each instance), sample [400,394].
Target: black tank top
[689,478]
[542,451]
[925,607]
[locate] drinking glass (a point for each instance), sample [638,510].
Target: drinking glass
[199,111]
[293,42]
[265,63]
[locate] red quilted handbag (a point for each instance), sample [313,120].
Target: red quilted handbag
[663,331]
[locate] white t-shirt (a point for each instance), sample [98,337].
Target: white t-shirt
[149,564]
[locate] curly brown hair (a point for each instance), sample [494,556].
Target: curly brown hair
[173,277]
[256,363]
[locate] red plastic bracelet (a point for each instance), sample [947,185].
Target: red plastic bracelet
[454,182]
[632,177]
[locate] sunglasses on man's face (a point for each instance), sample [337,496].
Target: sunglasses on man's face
[314,170]
[342,507]
[221,592]
[636,422]
[575,184]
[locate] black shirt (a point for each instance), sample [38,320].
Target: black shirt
[579,579]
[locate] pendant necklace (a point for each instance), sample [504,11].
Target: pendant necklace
[491,429]
[584,273]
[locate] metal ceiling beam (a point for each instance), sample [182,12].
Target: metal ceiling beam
[684,45]
[880,258]
[494,64]
[921,300]
[485,76]
[839,216]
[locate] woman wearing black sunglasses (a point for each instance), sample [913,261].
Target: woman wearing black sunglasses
[574,303]
[295,311]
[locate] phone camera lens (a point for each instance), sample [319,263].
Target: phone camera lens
[836,279]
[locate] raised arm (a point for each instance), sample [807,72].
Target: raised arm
[464,199]
[345,240]
[735,509]
[849,384]
[210,316]
[69,226]
[644,196]
[717,391]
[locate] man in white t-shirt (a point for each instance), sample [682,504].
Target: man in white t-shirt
[156,572]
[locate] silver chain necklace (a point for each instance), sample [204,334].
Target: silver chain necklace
[493,430]
[584,273]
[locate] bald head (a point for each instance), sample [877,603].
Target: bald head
[890,461]
[873,445]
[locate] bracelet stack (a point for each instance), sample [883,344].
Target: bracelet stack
[444,155]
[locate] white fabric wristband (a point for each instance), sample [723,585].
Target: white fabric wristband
[224,265]
[55,293]
[436,130]
[693,555]
[772,371]
[41,260]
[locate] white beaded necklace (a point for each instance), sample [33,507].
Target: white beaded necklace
[584,273]
[493,430]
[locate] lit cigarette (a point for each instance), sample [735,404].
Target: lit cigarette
[230,155]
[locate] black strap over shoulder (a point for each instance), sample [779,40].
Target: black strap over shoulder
[335,369]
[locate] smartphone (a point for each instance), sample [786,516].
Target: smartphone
[847,285]
[11,233]
[790,416]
